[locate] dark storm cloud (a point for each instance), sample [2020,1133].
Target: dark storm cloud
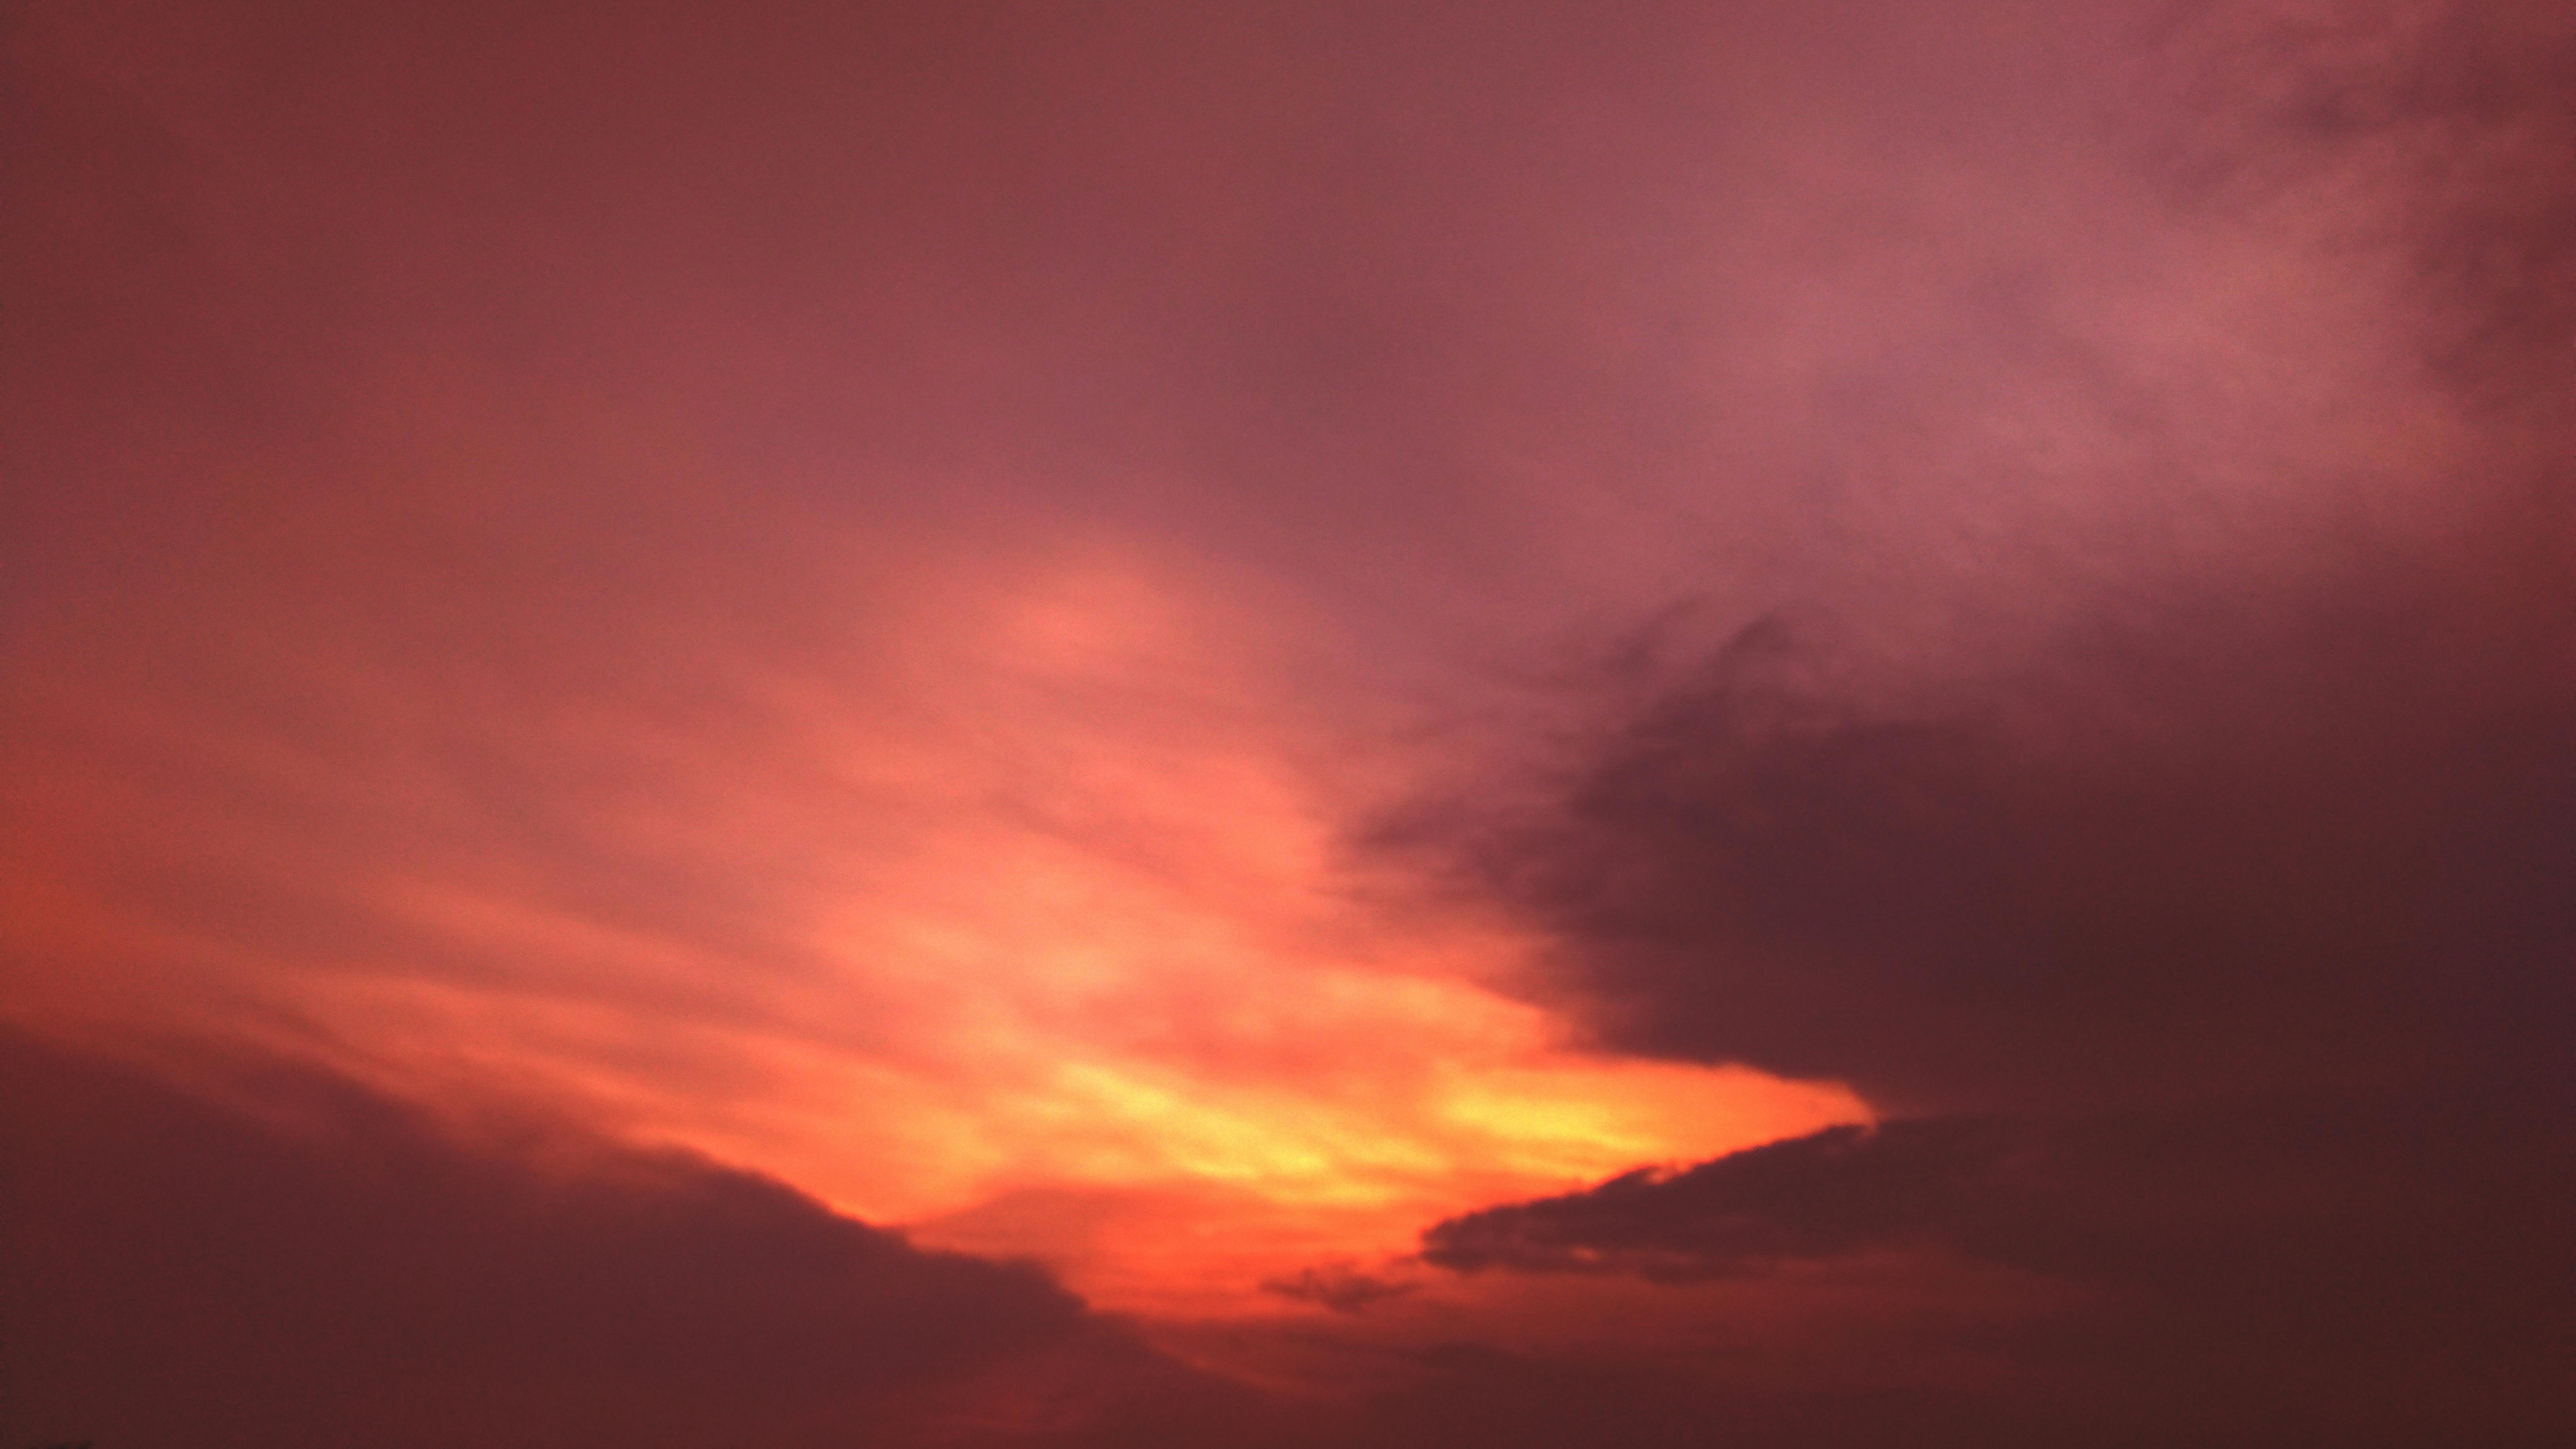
[2305,814]
[2397,1270]
[2223,922]
[2150,421]
[2159,1198]
[290,1258]
[2178,861]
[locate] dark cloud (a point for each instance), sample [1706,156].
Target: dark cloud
[286,1257]
[2392,1270]
[2209,938]
[1341,1288]
[2171,864]
[2149,418]
[2124,1197]
[2237,935]
[2294,805]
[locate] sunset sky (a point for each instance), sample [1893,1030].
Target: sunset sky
[1218,724]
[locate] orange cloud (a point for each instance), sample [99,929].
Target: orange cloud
[1030,929]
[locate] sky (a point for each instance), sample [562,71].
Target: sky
[1235,724]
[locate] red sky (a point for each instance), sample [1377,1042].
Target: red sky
[1164,648]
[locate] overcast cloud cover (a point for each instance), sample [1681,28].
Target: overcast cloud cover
[1500,724]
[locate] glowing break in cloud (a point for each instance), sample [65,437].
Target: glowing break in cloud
[1033,921]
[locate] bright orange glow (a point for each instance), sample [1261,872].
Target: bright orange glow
[1037,938]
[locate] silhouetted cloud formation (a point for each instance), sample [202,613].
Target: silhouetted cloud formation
[2186,862]
[825,581]
[2126,1197]
[2241,938]
[1341,1289]
[286,1257]
[2199,796]
[2208,942]
[2395,1271]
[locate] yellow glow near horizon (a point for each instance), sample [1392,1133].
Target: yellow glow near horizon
[1042,941]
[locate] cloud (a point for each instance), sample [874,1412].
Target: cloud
[2235,1268]
[822,581]
[2192,884]
[2436,131]
[2176,863]
[1340,1288]
[2182,705]
[278,1255]
[2116,1196]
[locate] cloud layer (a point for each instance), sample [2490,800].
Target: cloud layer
[2183,857]
[1183,637]
[280,1252]
[2248,767]
[2235,1271]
